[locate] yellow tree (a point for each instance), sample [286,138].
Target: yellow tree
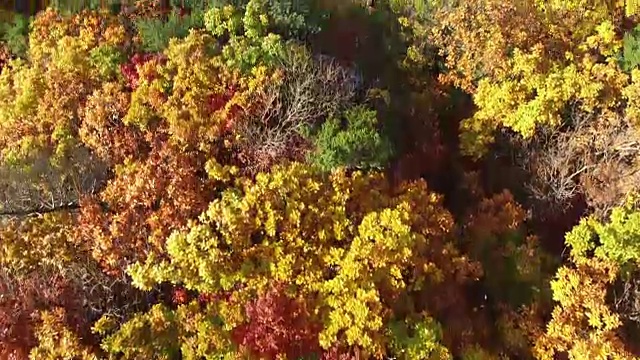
[40,98]
[41,103]
[584,322]
[527,62]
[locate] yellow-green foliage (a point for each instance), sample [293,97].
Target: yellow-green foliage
[192,330]
[616,240]
[424,343]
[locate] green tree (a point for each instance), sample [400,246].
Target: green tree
[353,140]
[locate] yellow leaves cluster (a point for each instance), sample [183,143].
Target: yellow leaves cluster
[164,333]
[358,315]
[41,241]
[197,76]
[568,57]
[52,32]
[382,249]
[475,37]
[40,99]
[540,94]
[57,341]
[582,323]
[632,95]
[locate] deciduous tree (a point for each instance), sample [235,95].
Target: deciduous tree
[318,235]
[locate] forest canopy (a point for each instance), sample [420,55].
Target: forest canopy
[320,179]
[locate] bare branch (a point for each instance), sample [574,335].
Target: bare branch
[312,90]
[594,154]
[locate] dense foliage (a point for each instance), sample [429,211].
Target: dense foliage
[320,179]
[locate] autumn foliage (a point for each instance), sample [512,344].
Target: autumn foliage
[256,179]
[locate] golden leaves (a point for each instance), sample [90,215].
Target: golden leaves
[47,240]
[42,98]
[57,341]
[102,128]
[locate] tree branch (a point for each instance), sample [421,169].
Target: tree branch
[43,210]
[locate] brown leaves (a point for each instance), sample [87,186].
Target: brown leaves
[597,155]
[495,216]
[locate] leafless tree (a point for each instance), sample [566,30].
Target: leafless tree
[626,298]
[595,154]
[44,187]
[313,88]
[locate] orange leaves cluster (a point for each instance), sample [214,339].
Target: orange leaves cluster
[143,204]
[495,215]
[476,36]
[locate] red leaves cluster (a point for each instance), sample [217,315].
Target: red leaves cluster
[131,70]
[218,101]
[278,325]
[336,353]
[21,300]
[179,296]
